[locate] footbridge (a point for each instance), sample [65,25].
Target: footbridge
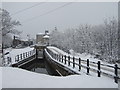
[80,66]
[66,64]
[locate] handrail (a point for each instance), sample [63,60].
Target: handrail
[90,65]
[21,57]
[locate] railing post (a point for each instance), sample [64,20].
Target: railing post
[73,62]
[116,73]
[55,56]
[79,64]
[62,58]
[88,66]
[15,58]
[99,72]
[65,59]
[68,60]
[7,60]
[59,58]
[21,56]
[26,54]
[18,58]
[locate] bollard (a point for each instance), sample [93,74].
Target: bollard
[68,60]
[79,64]
[73,62]
[88,66]
[99,72]
[65,59]
[116,73]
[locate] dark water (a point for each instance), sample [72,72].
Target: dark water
[37,66]
[40,66]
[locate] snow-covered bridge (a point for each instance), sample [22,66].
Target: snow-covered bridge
[83,64]
[74,64]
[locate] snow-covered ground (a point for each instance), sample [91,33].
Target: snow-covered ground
[18,78]
[14,52]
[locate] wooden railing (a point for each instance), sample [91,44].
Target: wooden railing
[20,57]
[89,65]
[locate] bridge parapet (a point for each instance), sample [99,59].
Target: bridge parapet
[78,64]
[19,58]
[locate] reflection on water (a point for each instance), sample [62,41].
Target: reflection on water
[36,66]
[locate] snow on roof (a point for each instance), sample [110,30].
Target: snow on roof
[46,36]
[40,33]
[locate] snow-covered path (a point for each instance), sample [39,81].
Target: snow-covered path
[18,78]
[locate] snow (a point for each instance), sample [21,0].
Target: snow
[40,33]
[14,52]
[46,36]
[18,78]
[104,69]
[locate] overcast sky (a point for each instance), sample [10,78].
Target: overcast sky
[71,15]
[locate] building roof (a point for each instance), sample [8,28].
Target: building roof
[40,34]
[46,36]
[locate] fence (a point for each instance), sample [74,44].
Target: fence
[89,65]
[19,57]
[24,55]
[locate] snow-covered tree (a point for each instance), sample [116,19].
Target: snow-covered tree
[100,40]
[8,26]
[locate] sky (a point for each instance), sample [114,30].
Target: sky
[48,15]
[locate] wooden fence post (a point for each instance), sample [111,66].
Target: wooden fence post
[68,60]
[88,66]
[116,73]
[18,58]
[21,56]
[55,56]
[59,58]
[99,72]
[15,58]
[26,54]
[73,62]
[62,58]
[65,59]
[79,64]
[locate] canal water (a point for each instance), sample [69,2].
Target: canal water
[39,66]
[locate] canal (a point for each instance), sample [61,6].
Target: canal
[40,66]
